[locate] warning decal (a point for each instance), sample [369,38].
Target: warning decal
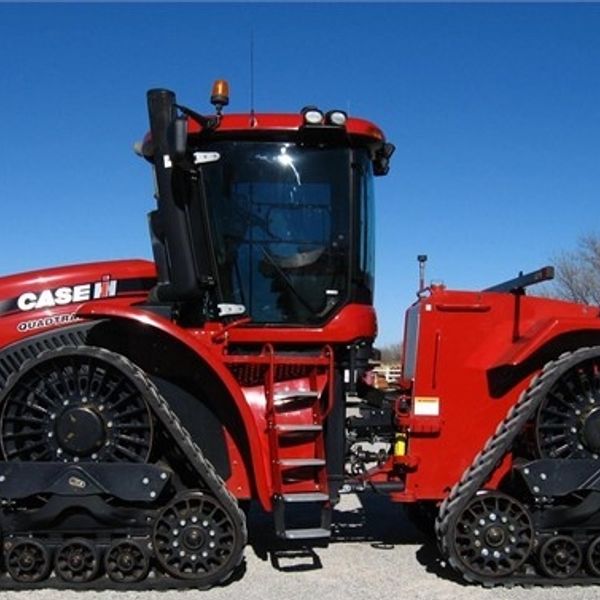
[427,406]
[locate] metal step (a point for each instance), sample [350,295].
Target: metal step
[291,463]
[295,395]
[294,429]
[286,507]
[306,534]
[305,497]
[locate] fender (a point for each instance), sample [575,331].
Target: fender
[542,343]
[124,310]
[543,333]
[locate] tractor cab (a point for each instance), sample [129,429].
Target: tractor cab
[268,216]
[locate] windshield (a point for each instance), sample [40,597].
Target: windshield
[281,220]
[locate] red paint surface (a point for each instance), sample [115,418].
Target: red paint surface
[462,336]
[13,286]
[283,122]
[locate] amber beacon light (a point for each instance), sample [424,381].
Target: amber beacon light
[220,95]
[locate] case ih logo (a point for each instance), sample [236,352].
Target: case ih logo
[62,296]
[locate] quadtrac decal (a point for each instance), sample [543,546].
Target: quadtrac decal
[44,322]
[64,295]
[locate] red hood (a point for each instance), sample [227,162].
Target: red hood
[49,289]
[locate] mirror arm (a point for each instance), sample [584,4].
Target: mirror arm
[204,122]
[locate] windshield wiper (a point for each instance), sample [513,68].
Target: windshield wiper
[286,280]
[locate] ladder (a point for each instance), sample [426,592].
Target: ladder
[296,441]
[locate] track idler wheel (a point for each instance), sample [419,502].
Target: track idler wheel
[27,561]
[77,561]
[194,538]
[493,535]
[560,557]
[126,561]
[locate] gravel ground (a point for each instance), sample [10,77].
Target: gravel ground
[375,553]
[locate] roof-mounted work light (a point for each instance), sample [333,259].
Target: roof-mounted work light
[312,115]
[336,117]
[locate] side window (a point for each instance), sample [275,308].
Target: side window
[367,225]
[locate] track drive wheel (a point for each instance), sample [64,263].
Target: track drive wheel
[194,538]
[73,404]
[493,535]
[77,561]
[567,424]
[27,561]
[126,561]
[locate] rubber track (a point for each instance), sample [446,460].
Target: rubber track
[192,453]
[14,355]
[475,476]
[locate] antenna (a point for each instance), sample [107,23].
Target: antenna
[252,119]
[422,258]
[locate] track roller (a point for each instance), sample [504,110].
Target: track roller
[77,561]
[126,561]
[560,557]
[593,557]
[27,561]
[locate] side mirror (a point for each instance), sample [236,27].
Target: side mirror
[178,133]
[381,161]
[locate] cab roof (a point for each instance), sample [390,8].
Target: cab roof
[249,123]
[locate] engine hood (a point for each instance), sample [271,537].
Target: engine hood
[34,300]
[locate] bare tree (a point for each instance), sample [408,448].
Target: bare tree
[391,353]
[577,275]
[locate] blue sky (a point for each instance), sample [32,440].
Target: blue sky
[494,109]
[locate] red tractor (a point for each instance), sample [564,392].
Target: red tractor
[143,404]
